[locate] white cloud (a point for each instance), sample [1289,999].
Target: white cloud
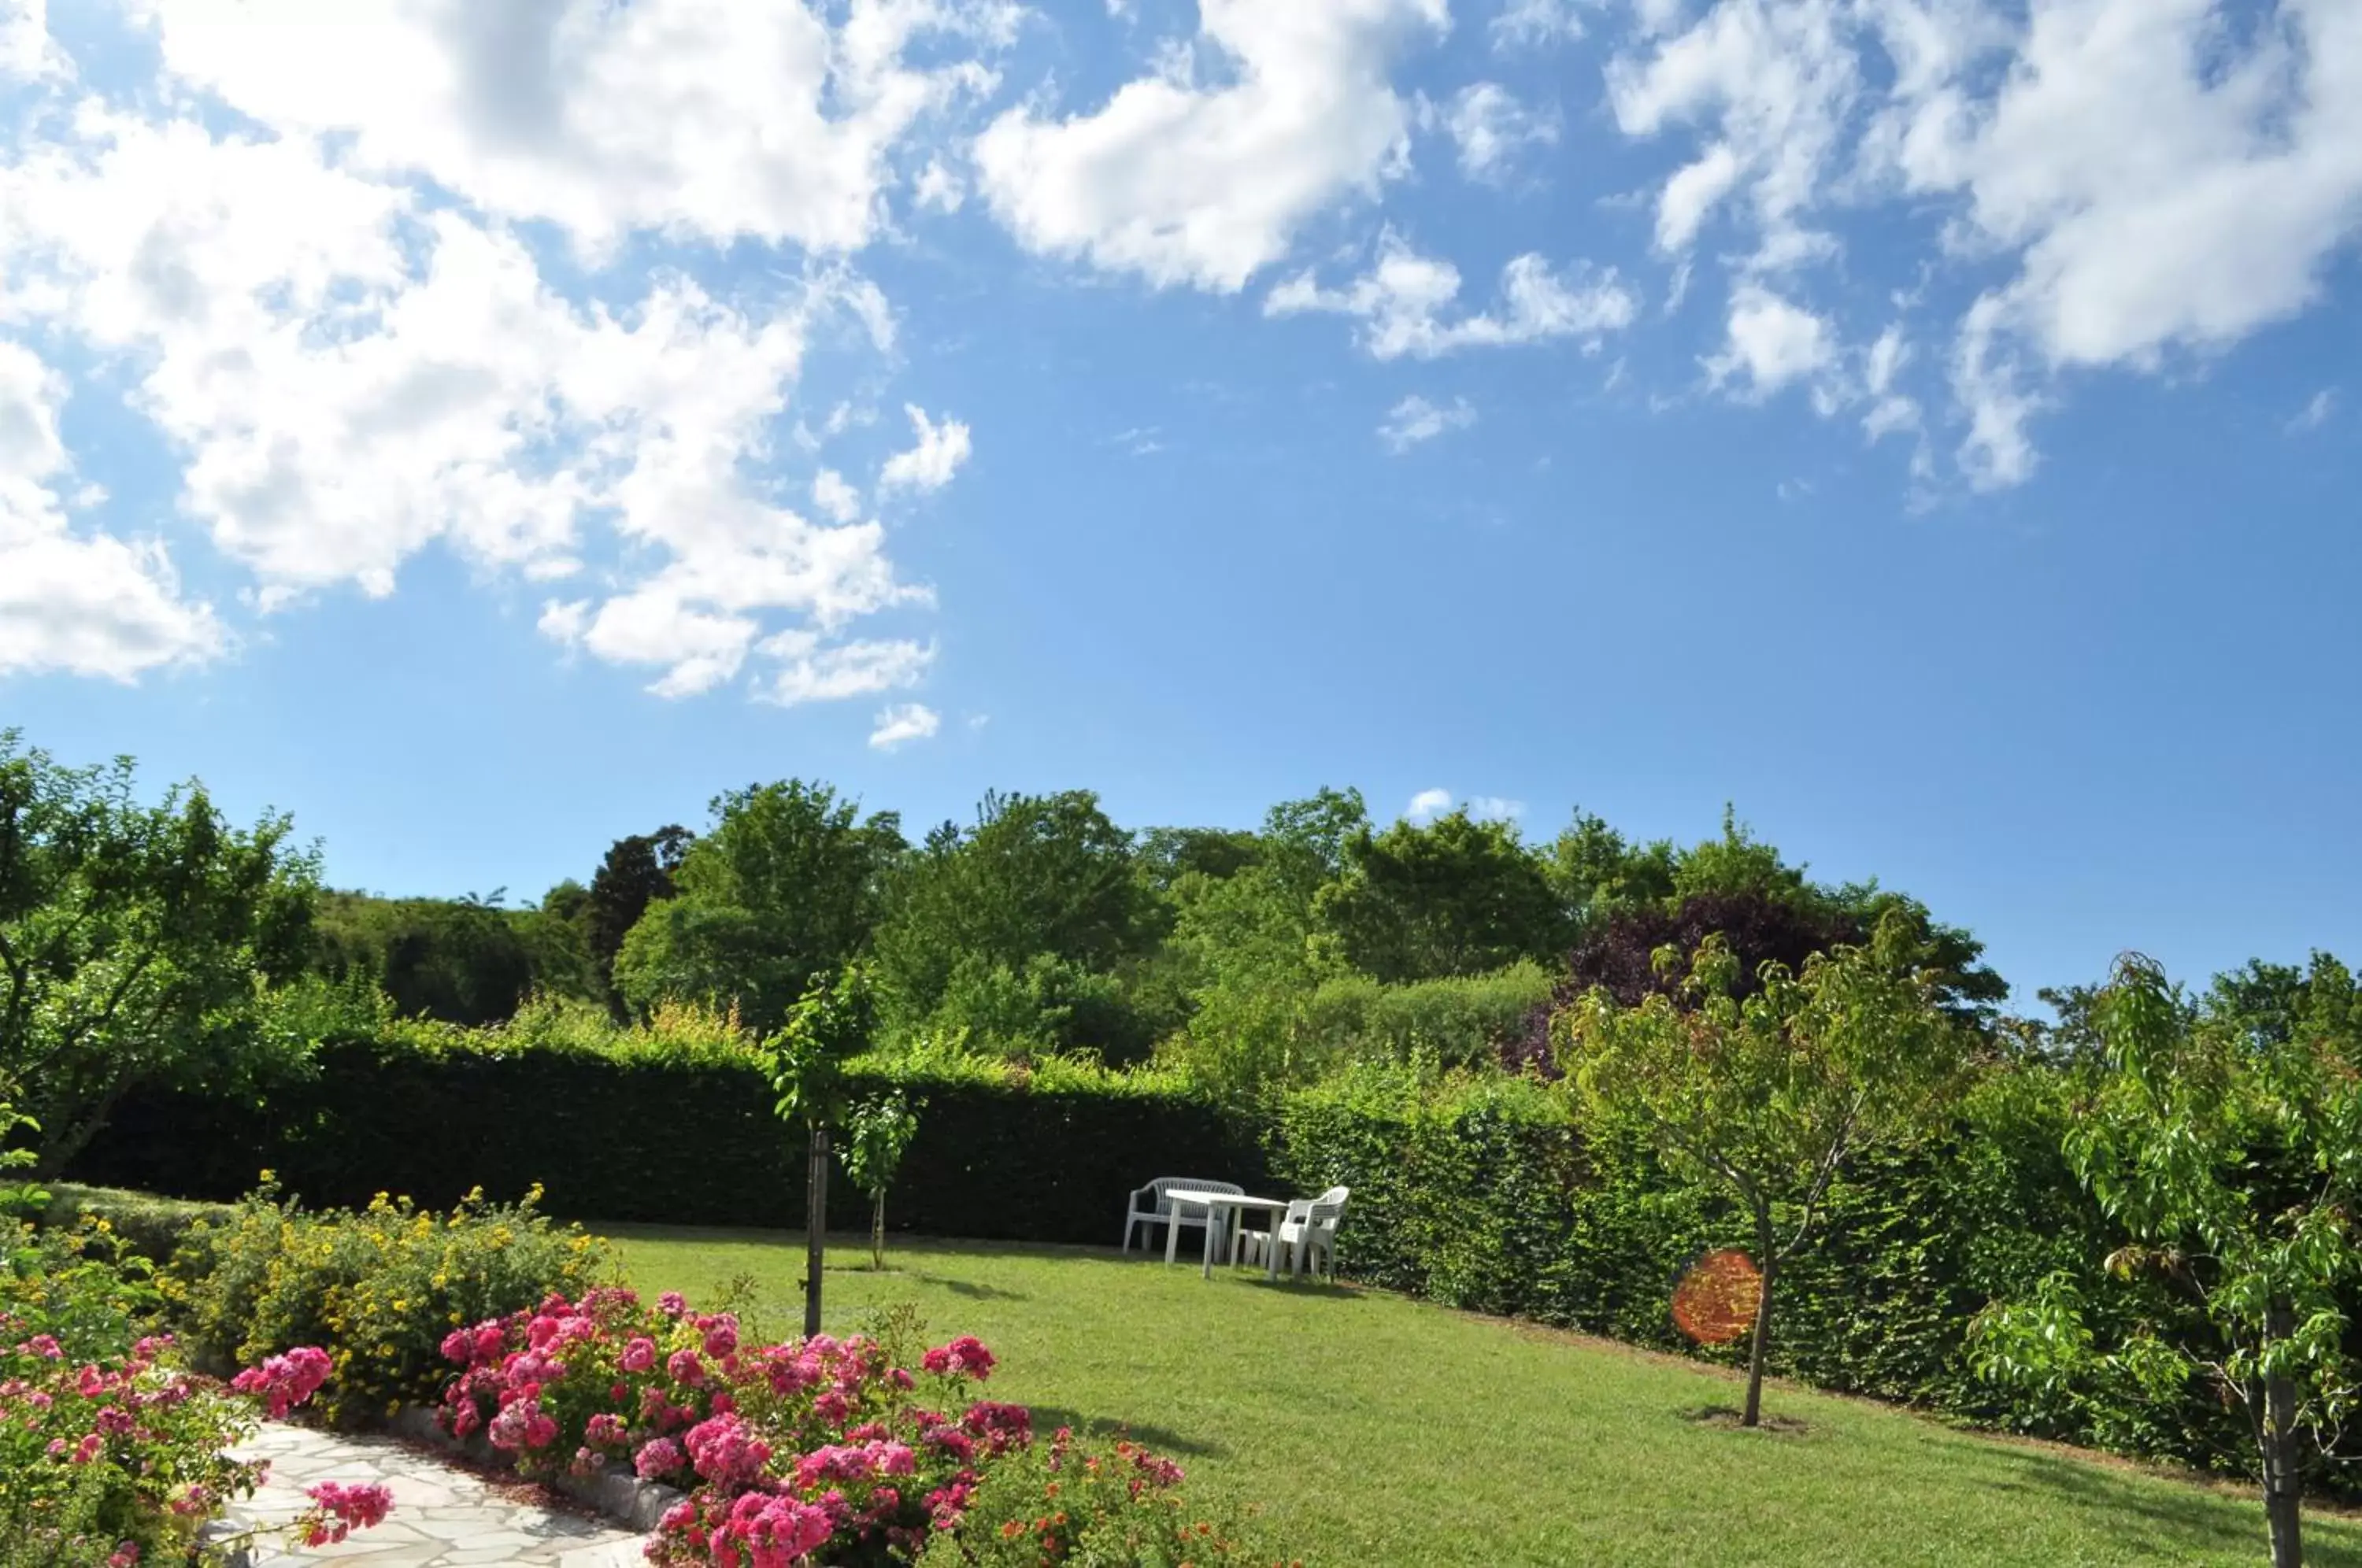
[1207,182]
[1428,804]
[2315,414]
[694,116]
[1401,299]
[1692,194]
[938,189]
[349,373]
[815,672]
[1494,808]
[1414,420]
[903,722]
[930,464]
[835,497]
[77,602]
[1525,24]
[1890,412]
[1489,127]
[2151,177]
[1772,344]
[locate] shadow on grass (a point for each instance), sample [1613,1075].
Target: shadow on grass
[2169,1520]
[1163,1440]
[1308,1287]
[967,1287]
[1731,1418]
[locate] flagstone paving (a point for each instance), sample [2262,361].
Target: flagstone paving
[442,1518]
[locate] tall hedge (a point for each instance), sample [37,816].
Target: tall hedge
[1494,1200]
[667,1138]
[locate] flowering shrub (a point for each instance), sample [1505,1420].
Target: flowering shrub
[816,1449]
[110,1454]
[377,1289]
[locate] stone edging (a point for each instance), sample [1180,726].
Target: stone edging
[616,1493]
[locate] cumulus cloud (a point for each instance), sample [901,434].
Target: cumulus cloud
[1772,344]
[1428,803]
[1204,176]
[723,121]
[1495,808]
[1403,300]
[2315,412]
[835,497]
[903,722]
[1415,420]
[816,671]
[1489,127]
[350,369]
[929,465]
[2151,177]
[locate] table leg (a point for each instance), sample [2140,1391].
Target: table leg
[1207,1270]
[1172,1233]
[1273,1218]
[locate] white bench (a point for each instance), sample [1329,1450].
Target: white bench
[1158,1212]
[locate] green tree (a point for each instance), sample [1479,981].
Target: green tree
[1038,875]
[1769,1094]
[830,1024]
[136,939]
[785,885]
[2232,1155]
[876,1135]
[1455,896]
[636,872]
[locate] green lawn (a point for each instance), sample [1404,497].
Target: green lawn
[1375,1429]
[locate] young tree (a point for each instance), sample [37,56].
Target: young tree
[832,1021]
[1768,1093]
[877,1132]
[134,940]
[2231,1152]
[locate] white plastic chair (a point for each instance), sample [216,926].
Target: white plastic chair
[1159,1209]
[1250,1245]
[1309,1232]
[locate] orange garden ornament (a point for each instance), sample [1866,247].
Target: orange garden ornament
[1715,1301]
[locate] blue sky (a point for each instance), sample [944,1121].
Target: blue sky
[1929,425]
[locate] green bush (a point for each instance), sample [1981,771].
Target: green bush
[1455,1022]
[1486,1195]
[150,1226]
[673,1125]
[377,1288]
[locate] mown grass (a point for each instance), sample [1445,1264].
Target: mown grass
[1368,1428]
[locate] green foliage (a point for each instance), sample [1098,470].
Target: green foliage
[463,961]
[1455,1022]
[135,939]
[377,1288]
[1089,1507]
[1455,896]
[786,885]
[1768,1093]
[636,872]
[2227,1140]
[875,1133]
[1038,875]
[147,1225]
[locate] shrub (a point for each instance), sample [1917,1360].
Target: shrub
[378,1287]
[863,1450]
[1042,1150]
[1119,1508]
[150,1226]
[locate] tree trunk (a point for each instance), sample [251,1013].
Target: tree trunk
[2283,1496]
[815,1227]
[1753,1415]
[58,1145]
[878,1229]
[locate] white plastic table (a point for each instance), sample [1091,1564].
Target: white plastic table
[1212,1202]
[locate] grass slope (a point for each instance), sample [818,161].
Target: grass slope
[1373,1429]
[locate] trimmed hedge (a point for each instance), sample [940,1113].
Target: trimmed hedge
[150,1226]
[1492,1200]
[672,1138]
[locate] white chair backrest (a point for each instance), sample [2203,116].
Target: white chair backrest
[1330,1207]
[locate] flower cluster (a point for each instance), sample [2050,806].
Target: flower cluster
[815,1449]
[340,1510]
[284,1382]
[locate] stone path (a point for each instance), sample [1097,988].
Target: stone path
[442,1518]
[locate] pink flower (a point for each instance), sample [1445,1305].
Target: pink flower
[773,1530]
[964,1357]
[639,1354]
[466,1419]
[88,1449]
[671,1305]
[522,1425]
[684,1367]
[44,1346]
[606,1430]
[490,1339]
[540,1331]
[459,1345]
[722,1337]
[1001,1426]
[833,1407]
[725,1452]
[125,1555]
[658,1456]
[286,1381]
[342,1509]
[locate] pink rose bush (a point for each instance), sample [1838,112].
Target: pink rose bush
[818,1450]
